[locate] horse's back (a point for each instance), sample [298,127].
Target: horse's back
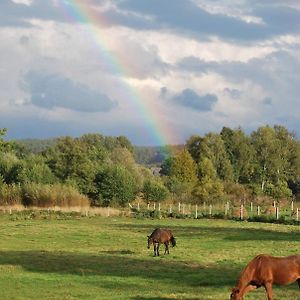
[279,270]
[161,235]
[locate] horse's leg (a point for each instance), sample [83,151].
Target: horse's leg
[157,249]
[298,280]
[154,246]
[166,247]
[268,287]
[247,289]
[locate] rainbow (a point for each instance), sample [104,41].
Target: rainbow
[154,126]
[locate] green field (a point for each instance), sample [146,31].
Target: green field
[107,258]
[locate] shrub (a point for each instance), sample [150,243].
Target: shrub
[45,195]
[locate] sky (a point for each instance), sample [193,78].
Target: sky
[156,71]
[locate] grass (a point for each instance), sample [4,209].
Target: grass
[107,258]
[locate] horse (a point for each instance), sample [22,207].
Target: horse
[161,236]
[266,270]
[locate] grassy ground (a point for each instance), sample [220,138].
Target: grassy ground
[107,258]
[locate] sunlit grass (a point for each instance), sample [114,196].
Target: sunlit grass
[107,258]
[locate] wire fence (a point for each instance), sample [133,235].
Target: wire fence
[247,211]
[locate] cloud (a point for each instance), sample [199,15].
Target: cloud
[233,93]
[191,19]
[189,98]
[53,90]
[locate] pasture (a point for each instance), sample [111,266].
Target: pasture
[107,258]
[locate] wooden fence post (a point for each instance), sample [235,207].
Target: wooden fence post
[148,205]
[138,206]
[170,209]
[258,210]
[196,212]
[158,206]
[178,206]
[297,215]
[210,209]
[154,205]
[277,212]
[292,206]
[251,206]
[242,212]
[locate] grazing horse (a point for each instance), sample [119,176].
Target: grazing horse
[265,270]
[161,236]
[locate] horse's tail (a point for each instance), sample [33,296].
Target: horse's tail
[173,241]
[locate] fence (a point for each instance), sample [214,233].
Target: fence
[246,211]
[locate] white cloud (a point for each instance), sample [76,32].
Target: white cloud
[25,2]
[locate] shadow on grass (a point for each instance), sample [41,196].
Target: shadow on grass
[161,269]
[231,234]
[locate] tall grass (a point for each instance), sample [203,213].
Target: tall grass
[42,195]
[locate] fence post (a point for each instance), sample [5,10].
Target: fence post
[148,205]
[170,209]
[277,213]
[178,206]
[297,215]
[154,205]
[196,212]
[258,210]
[292,206]
[138,206]
[242,212]
[210,209]
[158,206]
[251,206]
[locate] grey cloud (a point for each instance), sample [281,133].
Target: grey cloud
[188,17]
[189,98]
[233,93]
[181,16]
[52,90]
[267,101]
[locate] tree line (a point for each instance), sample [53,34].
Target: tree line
[102,170]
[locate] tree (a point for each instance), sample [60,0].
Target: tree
[114,185]
[183,167]
[240,152]
[154,190]
[210,187]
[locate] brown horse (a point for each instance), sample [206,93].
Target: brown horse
[161,236]
[265,270]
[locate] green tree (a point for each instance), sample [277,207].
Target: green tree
[114,185]
[209,187]
[241,154]
[154,190]
[183,167]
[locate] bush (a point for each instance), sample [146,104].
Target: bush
[43,195]
[154,190]
[10,194]
[114,184]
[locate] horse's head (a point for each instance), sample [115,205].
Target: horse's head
[235,294]
[150,241]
